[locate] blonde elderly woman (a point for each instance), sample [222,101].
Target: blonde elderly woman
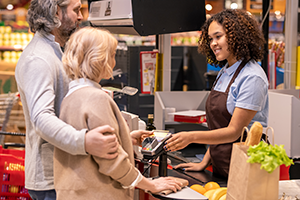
[89,57]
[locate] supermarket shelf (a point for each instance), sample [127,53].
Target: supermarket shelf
[11,48]
[9,73]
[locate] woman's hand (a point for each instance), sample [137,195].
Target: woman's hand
[206,161]
[191,166]
[138,136]
[165,183]
[178,141]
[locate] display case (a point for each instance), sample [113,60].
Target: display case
[180,101]
[284,118]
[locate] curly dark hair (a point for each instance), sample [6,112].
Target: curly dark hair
[245,39]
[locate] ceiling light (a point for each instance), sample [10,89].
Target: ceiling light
[9,7]
[234,6]
[277,12]
[208,7]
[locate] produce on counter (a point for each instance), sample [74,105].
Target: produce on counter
[211,190]
[223,197]
[209,193]
[270,157]
[216,194]
[220,192]
[198,188]
[211,185]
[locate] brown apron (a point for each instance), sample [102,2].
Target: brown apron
[217,117]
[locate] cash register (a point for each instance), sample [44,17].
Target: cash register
[153,147]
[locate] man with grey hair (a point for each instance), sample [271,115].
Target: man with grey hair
[42,84]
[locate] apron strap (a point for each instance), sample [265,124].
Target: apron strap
[243,63]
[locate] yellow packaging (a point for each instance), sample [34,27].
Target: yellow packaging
[298,67]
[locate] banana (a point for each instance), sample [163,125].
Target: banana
[209,193]
[223,197]
[218,193]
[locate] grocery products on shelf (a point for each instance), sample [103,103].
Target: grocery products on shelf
[9,38]
[10,56]
[12,42]
[177,39]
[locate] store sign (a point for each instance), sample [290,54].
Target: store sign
[148,70]
[8,17]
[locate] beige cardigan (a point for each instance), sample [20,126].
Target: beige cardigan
[86,176]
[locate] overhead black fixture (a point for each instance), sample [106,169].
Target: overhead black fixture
[147,17]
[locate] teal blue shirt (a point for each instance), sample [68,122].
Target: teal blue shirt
[248,91]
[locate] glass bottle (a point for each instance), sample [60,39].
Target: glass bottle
[108,10]
[150,125]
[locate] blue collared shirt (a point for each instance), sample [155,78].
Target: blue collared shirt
[248,91]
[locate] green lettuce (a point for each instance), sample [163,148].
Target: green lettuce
[270,157]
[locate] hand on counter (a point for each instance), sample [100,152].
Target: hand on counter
[178,141]
[98,144]
[206,161]
[138,136]
[161,184]
[191,166]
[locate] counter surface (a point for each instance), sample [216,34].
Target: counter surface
[200,177]
[289,188]
[185,194]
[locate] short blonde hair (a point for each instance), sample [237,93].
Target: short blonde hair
[88,52]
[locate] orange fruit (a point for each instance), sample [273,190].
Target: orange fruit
[198,188]
[211,185]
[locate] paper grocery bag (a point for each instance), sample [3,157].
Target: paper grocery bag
[247,181]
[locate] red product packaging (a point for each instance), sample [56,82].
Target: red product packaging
[190,116]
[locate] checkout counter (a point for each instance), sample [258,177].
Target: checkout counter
[159,163]
[286,187]
[283,119]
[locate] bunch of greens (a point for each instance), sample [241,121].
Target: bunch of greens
[270,157]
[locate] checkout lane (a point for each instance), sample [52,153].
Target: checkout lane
[153,151]
[160,163]
[287,187]
[200,177]
[194,177]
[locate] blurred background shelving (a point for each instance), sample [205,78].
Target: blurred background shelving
[189,69]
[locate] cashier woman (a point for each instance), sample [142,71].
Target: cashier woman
[233,40]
